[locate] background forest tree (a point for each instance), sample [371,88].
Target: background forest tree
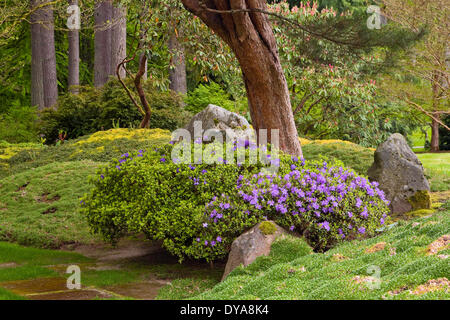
[325,82]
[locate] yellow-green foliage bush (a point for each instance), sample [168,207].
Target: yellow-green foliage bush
[101,146]
[8,150]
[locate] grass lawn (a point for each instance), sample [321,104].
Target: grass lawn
[418,139]
[399,258]
[437,170]
[39,206]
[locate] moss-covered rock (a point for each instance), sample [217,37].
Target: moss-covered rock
[267,228]
[400,175]
[420,213]
[420,200]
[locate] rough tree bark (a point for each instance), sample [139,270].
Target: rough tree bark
[137,82]
[434,147]
[37,80]
[118,38]
[251,38]
[48,55]
[177,73]
[102,56]
[74,57]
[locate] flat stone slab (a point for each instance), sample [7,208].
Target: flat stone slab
[8,265]
[142,291]
[41,285]
[70,295]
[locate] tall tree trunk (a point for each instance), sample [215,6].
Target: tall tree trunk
[102,56]
[434,134]
[251,38]
[74,57]
[37,80]
[118,39]
[48,55]
[434,124]
[177,72]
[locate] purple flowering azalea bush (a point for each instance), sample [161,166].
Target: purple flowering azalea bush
[197,210]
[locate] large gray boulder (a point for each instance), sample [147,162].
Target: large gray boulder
[219,120]
[252,244]
[400,175]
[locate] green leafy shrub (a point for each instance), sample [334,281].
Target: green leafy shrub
[18,125]
[198,210]
[213,93]
[94,109]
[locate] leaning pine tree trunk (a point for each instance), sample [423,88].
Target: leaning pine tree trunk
[251,38]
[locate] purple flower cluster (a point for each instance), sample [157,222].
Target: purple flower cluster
[323,196]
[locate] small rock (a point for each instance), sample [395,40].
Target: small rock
[252,244]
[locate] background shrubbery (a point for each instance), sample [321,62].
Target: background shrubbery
[197,210]
[110,107]
[444,134]
[203,95]
[18,125]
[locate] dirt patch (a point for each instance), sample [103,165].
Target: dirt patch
[50,210]
[23,187]
[377,247]
[44,198]
[398,291]
[142,291]
[367,279]
[440,244]
[432,285]
[338,257]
